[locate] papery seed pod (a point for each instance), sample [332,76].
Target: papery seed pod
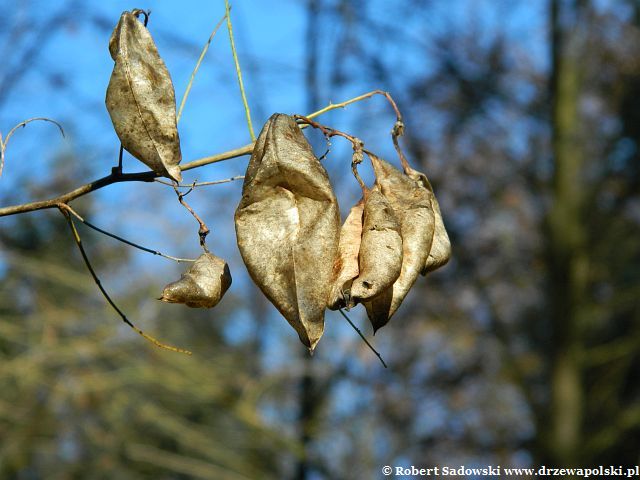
[287,226]
[346,267]
[413,206]
[440,252]
[141,99]
[380,256]
[202,285]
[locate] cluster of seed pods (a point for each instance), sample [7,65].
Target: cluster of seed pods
[288,232]
[288,220]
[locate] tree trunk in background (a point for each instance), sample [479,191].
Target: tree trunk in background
[307,409]
[566,249]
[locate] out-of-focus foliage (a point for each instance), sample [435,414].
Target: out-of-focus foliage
[522,350]
[84,398]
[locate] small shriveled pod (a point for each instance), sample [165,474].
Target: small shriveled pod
[440,252]
[203,284]
[287,226]
[380,256]
[141,99]
[346,267]
[413,206]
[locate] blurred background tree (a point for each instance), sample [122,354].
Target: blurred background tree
[521,351]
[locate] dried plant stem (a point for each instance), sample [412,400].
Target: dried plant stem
[364,96]
[330,132]
[197,67]
[357,144]
[120,239]
[77,239]
[24,123]
[201,184]
[354,170]
[398,128]
[203,231]
[116,177]
[363,338]
[238,71]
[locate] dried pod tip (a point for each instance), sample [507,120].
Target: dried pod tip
[202,286]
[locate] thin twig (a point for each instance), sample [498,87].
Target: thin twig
[398,127]
[354,170]
[78,241]
[24,123]
[328,131]
[203,231]
[123,240]
[197,67]
[238,71]
[397,131]
[364,96]
[363,338]
[357,144]
[150,176]
[201,184]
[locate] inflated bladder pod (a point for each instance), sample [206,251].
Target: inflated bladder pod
[141,99]
[380,256]
[346,267]
[412,204]
[440,252]
[287,226]
[202,285]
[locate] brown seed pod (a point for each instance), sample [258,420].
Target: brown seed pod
[380,256]
[440,252]
[287,226]
[141,100]
[413,207]
[202,285]
[346,267]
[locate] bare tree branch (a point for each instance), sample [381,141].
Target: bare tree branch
[76,238]
[117,177]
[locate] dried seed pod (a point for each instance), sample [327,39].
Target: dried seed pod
[202,285]
[413,207]
[380,256]
[440,252]
[346,267]
[287,226]
[141,100]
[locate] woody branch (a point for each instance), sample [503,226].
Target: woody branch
[149,176]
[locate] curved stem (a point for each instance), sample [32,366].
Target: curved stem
[76,238]
[120,239]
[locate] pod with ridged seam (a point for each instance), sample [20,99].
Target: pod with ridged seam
[287,226]
[346,267]
[413,206]
[380,256]
[440,252]
[141,99]
[203,284]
